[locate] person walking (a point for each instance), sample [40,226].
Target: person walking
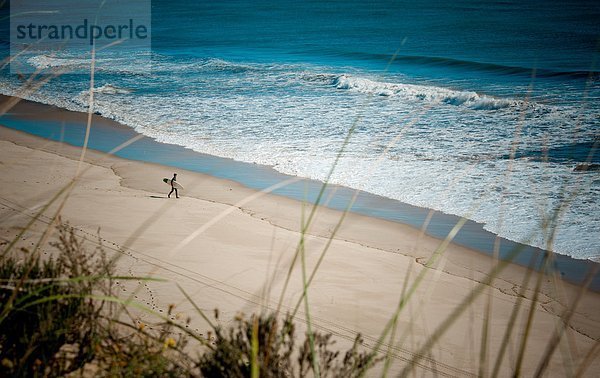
[173,188]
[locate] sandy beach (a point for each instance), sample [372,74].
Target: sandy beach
[231,247]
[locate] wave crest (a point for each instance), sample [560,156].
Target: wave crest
[47,62]
[111,89]
[415,92]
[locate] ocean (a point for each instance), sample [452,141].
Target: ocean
[478,109]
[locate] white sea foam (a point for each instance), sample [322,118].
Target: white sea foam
[81,63]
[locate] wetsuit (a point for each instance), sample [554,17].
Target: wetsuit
[173,188]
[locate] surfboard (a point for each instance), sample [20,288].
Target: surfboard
[177,185]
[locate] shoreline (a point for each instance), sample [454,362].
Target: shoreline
[69,127]
[227,264]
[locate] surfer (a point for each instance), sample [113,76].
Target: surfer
[173,188]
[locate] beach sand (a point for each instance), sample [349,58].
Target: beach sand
[230,247]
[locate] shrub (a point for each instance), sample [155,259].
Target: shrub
[48,322]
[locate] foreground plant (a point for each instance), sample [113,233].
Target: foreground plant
[264,346]
[57,317]
[48,320]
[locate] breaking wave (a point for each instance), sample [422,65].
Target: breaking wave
[111,89]
[48,62]
[415,92]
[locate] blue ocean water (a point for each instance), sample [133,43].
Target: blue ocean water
[440,96]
